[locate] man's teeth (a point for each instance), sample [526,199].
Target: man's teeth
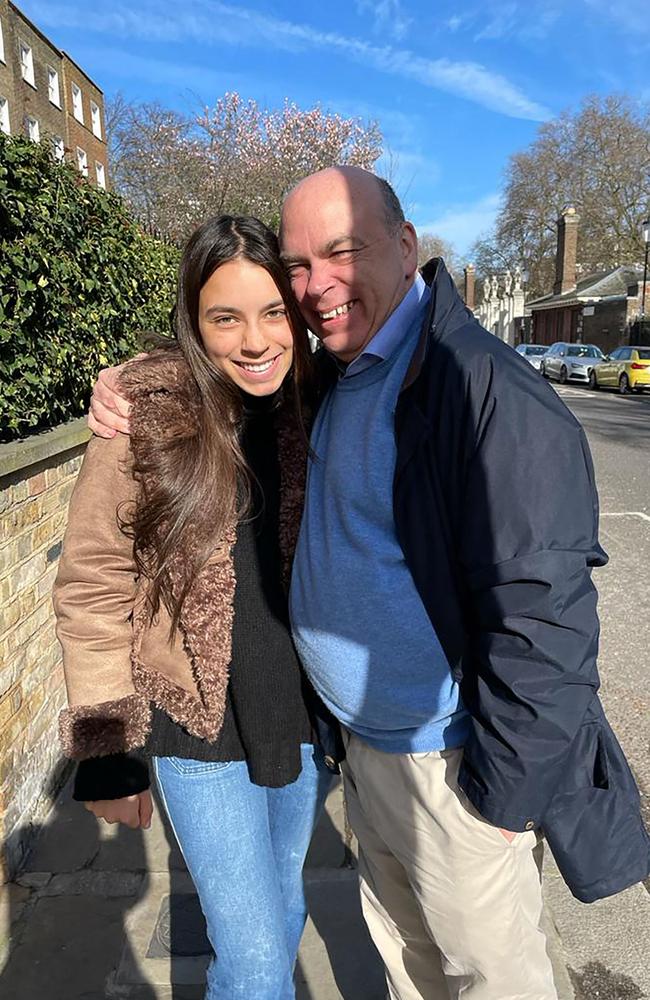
[338,311]
[258,369]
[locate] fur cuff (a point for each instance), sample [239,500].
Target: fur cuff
[111,727]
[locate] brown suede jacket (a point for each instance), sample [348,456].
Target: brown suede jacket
[115,662]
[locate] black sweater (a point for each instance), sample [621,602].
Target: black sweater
[267,715]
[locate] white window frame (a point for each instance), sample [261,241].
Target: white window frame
[53,87]
[100,174]
[77,103]
[5,125]
[82,161]
[27,63]
[58,148]
[33,128]
[2,45]
[96,120]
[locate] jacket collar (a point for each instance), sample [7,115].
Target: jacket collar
[446,311]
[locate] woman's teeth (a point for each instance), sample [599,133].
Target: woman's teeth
[257,369]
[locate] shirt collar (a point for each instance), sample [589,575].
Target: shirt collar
[390,334]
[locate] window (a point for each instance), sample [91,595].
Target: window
[57,147]
[77,104]
[53,91]
[82,161]
[32,129]
[96,120]
[2,45]
[4,115]
[101,175]
[27,63]
[584,351]
[624,354]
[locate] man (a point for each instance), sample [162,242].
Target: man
[443,608]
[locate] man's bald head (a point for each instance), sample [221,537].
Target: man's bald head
[350,254]
[356,180]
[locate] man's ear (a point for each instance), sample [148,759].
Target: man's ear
[409,242]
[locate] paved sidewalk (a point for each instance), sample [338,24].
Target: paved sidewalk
[92,919]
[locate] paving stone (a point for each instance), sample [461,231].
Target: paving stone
[91,883]
[333,844]
[606,943]
[68,841]
[71,947]
[34,880]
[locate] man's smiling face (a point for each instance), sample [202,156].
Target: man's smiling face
[349,268]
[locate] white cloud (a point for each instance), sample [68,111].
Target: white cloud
[209,21]
[463,224]
[388,16]
[627,16]
[497,20]
[454,23]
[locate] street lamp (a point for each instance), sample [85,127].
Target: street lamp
[645,229]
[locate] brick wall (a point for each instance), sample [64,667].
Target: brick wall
[606,328]
[33,507]
[7,82]
[25,99]
[78,134]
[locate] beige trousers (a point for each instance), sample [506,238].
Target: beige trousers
[452,907]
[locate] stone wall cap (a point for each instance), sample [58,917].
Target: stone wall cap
[21,454]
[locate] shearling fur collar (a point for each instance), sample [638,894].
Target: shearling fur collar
[165,401]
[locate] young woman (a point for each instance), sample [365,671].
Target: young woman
[172,610]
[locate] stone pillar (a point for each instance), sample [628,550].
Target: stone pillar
[470,281]
[567,249]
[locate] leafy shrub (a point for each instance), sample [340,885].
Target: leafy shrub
[79,280]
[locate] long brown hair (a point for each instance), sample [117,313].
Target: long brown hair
[197,486]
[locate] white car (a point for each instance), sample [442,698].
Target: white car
[571,362]
[533,353]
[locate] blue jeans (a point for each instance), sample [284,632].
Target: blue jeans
[245,847]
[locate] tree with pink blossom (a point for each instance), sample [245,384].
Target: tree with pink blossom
[236,157]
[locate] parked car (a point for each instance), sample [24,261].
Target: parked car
[533,353]
[571,362]
[626,368]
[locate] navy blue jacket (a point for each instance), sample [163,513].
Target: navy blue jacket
[496,511]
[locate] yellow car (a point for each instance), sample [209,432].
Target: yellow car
[626,369]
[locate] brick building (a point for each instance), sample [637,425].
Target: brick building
[46,95]
[600,308]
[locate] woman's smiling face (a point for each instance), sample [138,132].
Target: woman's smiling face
[245,328]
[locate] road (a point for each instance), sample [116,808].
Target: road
[607,944]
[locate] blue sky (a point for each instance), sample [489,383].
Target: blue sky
[455,87]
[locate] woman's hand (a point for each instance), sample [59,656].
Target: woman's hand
[135,811]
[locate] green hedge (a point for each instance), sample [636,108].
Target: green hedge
[79,281]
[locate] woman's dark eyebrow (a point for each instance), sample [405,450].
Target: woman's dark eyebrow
[213,310]
[221,309]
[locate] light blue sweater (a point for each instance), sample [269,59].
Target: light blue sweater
[359,625]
